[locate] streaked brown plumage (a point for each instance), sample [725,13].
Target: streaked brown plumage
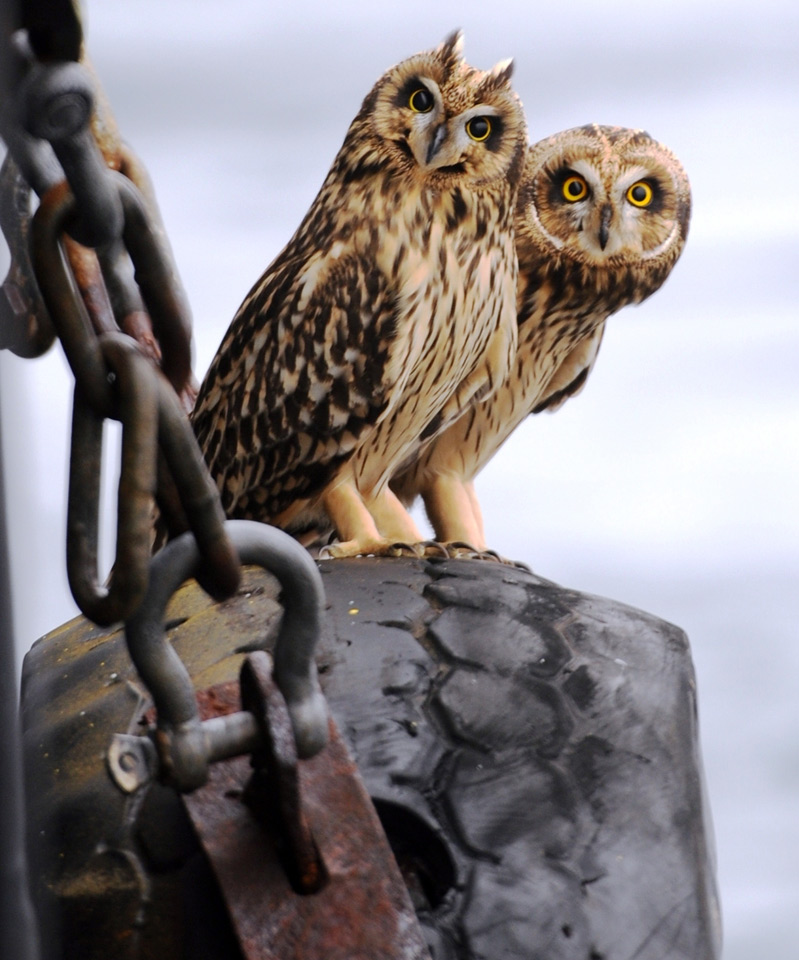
[389,310]
[602,218]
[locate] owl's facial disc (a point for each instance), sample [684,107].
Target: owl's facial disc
[603,197]
[439,139]
[601,211]
[442,119]
[605,211]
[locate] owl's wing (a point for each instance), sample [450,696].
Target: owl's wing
[300,379]
[569,379]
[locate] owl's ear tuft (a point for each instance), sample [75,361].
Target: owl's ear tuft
[500,74]
[451,50]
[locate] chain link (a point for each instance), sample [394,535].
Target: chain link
[135,405]
[101,276]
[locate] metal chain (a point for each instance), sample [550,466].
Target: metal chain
[100,275]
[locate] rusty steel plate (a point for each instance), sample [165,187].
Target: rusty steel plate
[362,911]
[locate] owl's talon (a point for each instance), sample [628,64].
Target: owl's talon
[400,549]
[492,555]
[350,548]
[461,550]
[354,548]
[434,548]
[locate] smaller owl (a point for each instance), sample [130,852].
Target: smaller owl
[601,219]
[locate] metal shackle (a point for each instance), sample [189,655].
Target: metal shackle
[190,741]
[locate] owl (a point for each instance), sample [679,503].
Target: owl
[390,310]
[601,219]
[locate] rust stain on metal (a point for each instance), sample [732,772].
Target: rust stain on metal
[90,283]
[217,701]
[362,911]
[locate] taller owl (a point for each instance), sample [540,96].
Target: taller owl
[601,219]
[390,310]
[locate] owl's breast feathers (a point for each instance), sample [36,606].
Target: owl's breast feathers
[355,322]
[456,333]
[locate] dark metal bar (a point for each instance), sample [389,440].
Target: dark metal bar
[18,934]
[237,733]
[158,280]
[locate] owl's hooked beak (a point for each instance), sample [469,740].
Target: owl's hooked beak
[606,215]
[439,136]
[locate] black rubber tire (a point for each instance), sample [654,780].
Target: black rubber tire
[532,752]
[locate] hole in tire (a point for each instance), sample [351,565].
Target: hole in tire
[422,856]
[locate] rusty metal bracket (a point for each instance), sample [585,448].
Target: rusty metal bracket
[304,866]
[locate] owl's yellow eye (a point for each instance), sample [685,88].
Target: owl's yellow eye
[574,188]
[421,100]
[479,128]
[640,194]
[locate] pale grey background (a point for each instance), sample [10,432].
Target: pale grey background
[671,482]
